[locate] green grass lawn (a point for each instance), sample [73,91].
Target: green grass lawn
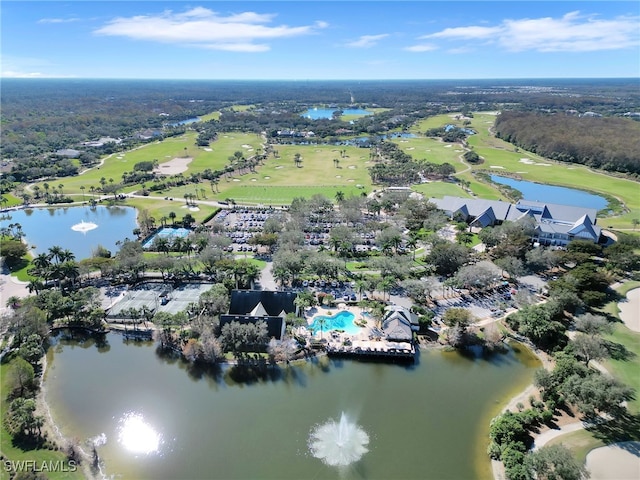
[209,116]
[13,453]
[580,443]
[440,189]
[11,200]
[625,369]
[279,181]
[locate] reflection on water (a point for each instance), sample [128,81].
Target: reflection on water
[136,435]
[79,229]
[254,423]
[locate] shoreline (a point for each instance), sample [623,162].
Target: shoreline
[53,431]
[497,466]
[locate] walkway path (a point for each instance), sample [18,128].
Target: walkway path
[544,438]
[10,287]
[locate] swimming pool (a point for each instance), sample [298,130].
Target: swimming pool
[340,321]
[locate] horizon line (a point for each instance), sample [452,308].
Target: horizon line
[318,79]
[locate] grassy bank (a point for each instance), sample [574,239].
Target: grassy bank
[14,453]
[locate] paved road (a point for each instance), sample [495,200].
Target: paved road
[267,282]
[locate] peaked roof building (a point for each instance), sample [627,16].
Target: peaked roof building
[251,306]
[555,224]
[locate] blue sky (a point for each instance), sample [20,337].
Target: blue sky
[320,40]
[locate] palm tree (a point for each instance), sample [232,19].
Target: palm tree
[13,302]
[172,216]
[82,187]
[56,253]
[70,271]
[322,322]
[412,243]
[41,262]
[67,255]
[339,196]
[35,286]
[361,287]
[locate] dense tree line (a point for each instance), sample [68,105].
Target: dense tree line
[609,143]
[393,167]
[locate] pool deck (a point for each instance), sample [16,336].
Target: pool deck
[364,343]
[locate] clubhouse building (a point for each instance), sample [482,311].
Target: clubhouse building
[555,225]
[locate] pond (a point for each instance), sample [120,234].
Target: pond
[160,418]
[188,121]
[79,229]
[317,113]
[539,192]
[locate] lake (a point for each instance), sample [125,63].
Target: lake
[317,113]
[79,229]
[539,192]
[160,418]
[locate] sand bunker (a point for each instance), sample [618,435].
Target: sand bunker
[253,179]
[630,310]
[244,145]
[174,166]
[620,461]
[447,146]
[411,148]
[497,166]
[279,166]
[350,180]
[207,149]
[236,179]
[338,176]
[528,161]
[352,167]
[267,177]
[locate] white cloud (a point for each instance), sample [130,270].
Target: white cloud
[572,32]
[58,20]
[204,28]
[424,47]
[19,74]
[367,41]
[465,33]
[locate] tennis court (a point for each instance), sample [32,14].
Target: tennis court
[167,232]
[158,297]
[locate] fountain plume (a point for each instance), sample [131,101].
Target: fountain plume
[339,443]
[84,227]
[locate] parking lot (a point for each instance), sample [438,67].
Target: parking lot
[242,225]
[492,303]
